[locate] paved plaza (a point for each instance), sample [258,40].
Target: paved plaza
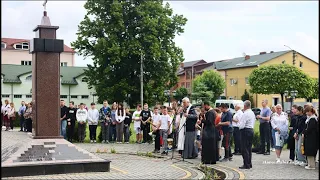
[129,161]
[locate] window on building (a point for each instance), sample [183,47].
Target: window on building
[85,79]
[5,95]
[64,64]
[232,82]
[183,84]
[84,97]
[28,96]
[29,78]
[17,96]
[26,63]
[188,85]
[188,74]
[301,64]
[24,46]
[3,45]
[63,96]
[247,80]
[74,97]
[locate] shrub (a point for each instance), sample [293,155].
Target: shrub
[256,139]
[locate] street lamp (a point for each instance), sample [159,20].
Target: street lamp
[128,97]
[292,95]
[293,55]
[167,93]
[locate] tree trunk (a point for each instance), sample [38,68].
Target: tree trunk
[282,101]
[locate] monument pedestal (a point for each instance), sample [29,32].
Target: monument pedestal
[51,156]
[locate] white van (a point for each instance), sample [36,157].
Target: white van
[230,103]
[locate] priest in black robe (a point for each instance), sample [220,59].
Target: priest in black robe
[209,139]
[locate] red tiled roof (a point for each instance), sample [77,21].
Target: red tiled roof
[11,41]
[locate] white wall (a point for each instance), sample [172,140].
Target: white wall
[16,56]
[25,87]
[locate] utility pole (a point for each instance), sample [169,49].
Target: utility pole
[141,79]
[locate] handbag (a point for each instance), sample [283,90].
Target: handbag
[302,149]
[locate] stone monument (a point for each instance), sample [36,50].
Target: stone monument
[47,152]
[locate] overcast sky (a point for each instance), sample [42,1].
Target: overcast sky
[214,31]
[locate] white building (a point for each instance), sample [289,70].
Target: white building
[16,75]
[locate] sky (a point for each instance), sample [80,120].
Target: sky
[215,30]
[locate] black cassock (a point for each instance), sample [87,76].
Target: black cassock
[209,139]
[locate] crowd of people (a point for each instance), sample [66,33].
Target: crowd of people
[190,130]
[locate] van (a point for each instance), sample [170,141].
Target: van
[230,103]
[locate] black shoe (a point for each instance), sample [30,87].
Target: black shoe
[260,152]
[243,167]
[250,165]
[21,131]
[164,153]
[266,153]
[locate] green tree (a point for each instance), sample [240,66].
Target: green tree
[213,81]
[247,96]
[313,93]
[116,34]
[181,93]
[202,93]
[276,79]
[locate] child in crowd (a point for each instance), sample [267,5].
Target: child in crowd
[164,129]
[156,118]
[126,127]
[137,124]
[93,118]
[82,115]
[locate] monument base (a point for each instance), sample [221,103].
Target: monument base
[51,156]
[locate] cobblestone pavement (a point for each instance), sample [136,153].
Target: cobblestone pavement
[126,166]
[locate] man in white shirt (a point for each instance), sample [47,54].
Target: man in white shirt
[164,125]
[236,130]
[137,123]
[246,125]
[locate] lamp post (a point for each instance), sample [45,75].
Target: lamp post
[292,95]
[167,93]
[128,97]
[293,55]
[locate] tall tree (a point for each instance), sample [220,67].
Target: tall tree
[202,93]
[213,81]
[181,93]
[313,93]
[117,34]
[276,79]
[247,96]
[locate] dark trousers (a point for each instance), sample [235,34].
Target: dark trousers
[226,144]
[112,133]
[246,146]
[264,129]
[236,137]
[29,124]
[126,131]
[22,122]
[105,131]
[146,131]
[81,131]
[93,132]
[157,140]
[11,122]
[70,131]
